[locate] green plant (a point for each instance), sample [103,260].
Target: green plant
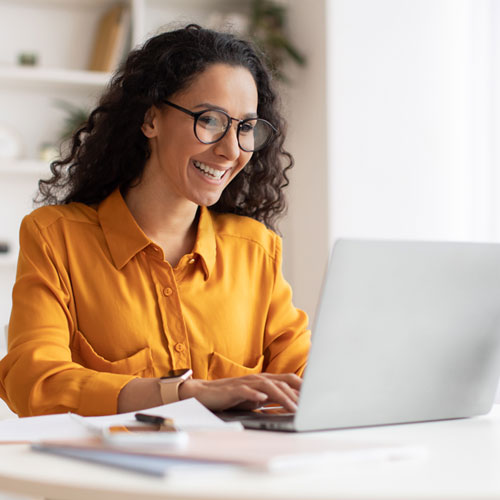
[267,29]
[75,117]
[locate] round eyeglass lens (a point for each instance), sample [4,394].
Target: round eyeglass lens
[254,134]
[211,126]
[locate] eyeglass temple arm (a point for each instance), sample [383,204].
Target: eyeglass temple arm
[180,108]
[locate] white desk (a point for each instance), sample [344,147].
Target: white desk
[463,463]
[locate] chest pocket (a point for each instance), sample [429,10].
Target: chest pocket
[222,367]
[139,363]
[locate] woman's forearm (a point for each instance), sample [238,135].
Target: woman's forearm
[138,394]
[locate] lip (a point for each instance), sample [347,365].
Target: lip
[208,179]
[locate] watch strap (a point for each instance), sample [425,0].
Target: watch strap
[170,391]
[169,387]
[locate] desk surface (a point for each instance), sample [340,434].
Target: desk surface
[463,461]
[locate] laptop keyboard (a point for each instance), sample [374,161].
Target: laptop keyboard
[259,419]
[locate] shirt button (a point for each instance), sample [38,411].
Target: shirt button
[179,347]
[167,292]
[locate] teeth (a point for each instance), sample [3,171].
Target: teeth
[212,172]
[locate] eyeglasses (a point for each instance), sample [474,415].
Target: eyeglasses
[211,125]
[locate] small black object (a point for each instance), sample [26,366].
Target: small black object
[149,419]
[4,247]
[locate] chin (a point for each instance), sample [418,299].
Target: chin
[206,201]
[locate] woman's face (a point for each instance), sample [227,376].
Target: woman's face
[182,166]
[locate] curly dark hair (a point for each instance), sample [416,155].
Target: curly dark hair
[110,150]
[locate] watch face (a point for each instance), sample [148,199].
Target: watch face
[175,373]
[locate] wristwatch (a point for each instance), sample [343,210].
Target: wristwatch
[169,384]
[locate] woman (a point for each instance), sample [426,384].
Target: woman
[126,275]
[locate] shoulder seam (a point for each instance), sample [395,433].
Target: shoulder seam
[271,253]
[59,216]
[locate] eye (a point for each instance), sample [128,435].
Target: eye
[208,121]
[212,120]
[247,127]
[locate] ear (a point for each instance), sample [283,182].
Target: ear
[149,128]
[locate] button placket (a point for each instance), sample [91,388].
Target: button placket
[174,327]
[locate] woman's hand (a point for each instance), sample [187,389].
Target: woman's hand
[250,391]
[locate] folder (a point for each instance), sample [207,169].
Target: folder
[150,465]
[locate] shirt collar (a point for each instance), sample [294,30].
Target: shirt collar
[126,239]
[124,236]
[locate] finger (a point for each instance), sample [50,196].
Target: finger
[277,387]
[243,394]
[293,394]
[289,395]
[291,379]
[221,394]
[259,388]
[275,392]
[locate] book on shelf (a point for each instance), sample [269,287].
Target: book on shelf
[111,39]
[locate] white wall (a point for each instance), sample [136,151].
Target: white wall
[411,138]
[305,229]
[394,125]
[495,17]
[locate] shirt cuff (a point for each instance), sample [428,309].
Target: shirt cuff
[99,395]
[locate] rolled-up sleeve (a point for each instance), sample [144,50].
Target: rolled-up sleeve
[38,375]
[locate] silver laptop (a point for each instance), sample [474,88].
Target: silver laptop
[405,332]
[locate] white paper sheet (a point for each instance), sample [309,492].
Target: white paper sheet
[188,414]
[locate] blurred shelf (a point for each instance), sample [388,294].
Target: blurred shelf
[34,168]
[60,3]
[53,77]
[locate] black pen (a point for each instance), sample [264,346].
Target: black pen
[149,419]
[155,420]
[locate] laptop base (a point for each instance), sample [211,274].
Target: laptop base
[259,420]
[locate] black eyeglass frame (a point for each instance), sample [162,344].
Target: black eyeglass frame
[196,115]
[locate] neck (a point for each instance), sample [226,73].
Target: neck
[171,223]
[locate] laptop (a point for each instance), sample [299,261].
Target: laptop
[405,331]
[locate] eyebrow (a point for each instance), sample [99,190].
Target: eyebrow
[205,105]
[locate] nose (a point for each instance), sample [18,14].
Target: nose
[228,146]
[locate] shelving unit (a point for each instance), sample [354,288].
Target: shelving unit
[33,168]
[62,33]
[35,78]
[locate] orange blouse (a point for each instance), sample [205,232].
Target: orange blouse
[95,305]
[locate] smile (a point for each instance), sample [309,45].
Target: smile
[209,171]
